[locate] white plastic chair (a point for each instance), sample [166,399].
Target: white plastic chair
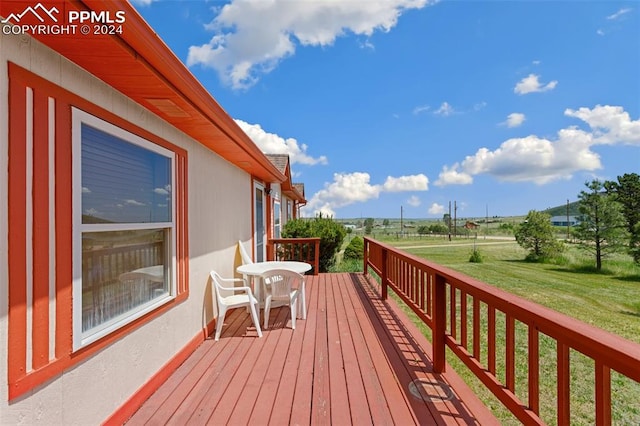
[233,300]
[281,285]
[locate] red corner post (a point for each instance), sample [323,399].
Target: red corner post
[384,278]
[439,323]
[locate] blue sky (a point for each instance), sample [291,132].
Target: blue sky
[500,106]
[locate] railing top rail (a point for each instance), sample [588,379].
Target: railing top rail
[294,240]
[619,353]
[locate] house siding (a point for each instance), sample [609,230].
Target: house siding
[89,386]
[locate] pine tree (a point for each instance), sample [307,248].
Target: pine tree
[601,228]
[627,193]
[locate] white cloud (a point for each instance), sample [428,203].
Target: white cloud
[133,203]
[542,160]
[406,183]
[531,84]
[619,13]
[161,191]
[349,188]
[86,190]
[445,110]
[610,124]
[421,108]
[451,176]
[436,209]
[514,119]
[270,143]
[414,201]
[252,37]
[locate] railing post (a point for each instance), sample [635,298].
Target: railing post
[384,278]
[316,259]
[439,323]
[365,257]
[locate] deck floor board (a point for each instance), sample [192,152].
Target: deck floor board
[350,362]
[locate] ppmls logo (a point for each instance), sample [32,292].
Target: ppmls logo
[38,11]
[40,20]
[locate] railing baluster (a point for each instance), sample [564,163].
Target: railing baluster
[510,362]
[476,328]
[491,339]
[603,394]
[463,319]
[534,369]
[564,384]
[452,311]
[422,291]
[384,278]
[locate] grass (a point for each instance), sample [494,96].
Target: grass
[608,299]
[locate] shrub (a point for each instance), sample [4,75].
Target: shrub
[331,235]
[355,249]
[476,256]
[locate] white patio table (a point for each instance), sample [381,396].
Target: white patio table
[258,268]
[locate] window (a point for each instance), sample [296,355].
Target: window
[124,227]
[276,219]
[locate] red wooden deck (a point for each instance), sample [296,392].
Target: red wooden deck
[354,360]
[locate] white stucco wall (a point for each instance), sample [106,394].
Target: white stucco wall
[219,205]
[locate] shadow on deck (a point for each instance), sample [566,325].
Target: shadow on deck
[354,360]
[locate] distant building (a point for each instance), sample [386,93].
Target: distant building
[562,221]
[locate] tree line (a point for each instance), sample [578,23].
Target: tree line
[609,222]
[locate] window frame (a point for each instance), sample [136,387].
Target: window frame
[82,339]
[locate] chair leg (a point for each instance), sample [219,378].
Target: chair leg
[294,313]
[267,308]
[302,309]
[256,321]
[219,322]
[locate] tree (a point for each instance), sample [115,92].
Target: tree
[385,222]
[536,235]
[438,228]
[601,228]
[368,225]
[627,192]
[330,232]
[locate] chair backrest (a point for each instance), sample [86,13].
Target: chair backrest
[217,283]
[246,259]
[280,282]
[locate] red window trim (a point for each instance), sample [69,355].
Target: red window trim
[44,368]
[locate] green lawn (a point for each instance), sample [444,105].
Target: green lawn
[609,300]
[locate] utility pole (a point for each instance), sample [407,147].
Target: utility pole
[487,221]
[455,218]
[449,224]
[568,223]
[401,224]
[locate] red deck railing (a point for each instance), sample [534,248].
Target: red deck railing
[301,249]
[452,304]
